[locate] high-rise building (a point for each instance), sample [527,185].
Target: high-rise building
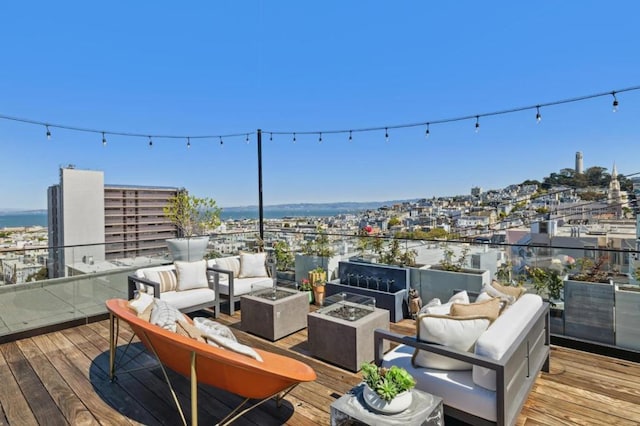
[476,191]
[89,221]
[579,165]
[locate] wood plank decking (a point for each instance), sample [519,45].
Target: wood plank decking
[62,378]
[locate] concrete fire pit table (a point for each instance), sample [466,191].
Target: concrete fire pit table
[274,312]
[342,331]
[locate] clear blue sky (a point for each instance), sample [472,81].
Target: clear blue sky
[202,68]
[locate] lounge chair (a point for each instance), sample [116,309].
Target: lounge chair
[275,377]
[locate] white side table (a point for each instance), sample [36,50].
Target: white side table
[350,409]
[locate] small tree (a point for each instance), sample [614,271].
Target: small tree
[192,215]
[284,257]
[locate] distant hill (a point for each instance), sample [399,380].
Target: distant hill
[340,206]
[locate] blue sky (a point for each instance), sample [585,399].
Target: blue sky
[211,68]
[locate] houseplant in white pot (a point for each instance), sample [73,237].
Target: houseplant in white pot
[193,217]
[387,390]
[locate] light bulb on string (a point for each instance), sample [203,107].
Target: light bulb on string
[104,140]
[270,136]
[320,137]
[615,102]
[294,138]
[48,132]
[386,135]
[247,139]
[221,141]
[427,132]
[477,123]
[188,142]
[538,116]
[150,142]
[350,136]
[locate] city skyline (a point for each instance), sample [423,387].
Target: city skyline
[286,67]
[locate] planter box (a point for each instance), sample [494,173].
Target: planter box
[344,343]
[432,283]
[588,311]
[388,285]
[627,318]
[274,319]
[305,263]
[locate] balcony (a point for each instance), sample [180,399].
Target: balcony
[55,346]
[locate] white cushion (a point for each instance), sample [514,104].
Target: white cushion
[459,333]
[149,272]
[166,278]
[187,299]
[456,388]
[252,265]
[484,296]
[165,315]
[494,292]
[191,275]
[497,340]
[141,302]
[234,346]
[243,285]
[434,306]
[213,328]
[231,263]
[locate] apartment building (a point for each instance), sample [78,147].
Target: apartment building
[104,222]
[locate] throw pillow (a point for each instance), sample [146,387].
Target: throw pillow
[211,328]
[489,308]
[140,303]
[191,274]
[252,265]
[509,290]
[494,292]
[459,333]
[185,328]
[229,264]
[165,315]
[234,346]
[166,279]
[435,307]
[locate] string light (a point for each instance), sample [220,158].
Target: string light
[320,137]
[427,132]
[48,133]
[294,137]
[615,102]
[221,142]
[270,136]
[386,135]
[350,136]
[477,123]
[538,116]
[188,142]
[104,140]
[247,139]
[150,142]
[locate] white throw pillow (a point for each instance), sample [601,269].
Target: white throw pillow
[141,302]
[234,346]
[165,315]
[484,296]
[191,275]
[435,307]
[494,292]
[212,328]
[459,333]
[252,265]
[167,279]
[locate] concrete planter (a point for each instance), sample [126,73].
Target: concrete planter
[588,311]
[274,319]
[433,282]
[188,249]
[627,318]
[305,263]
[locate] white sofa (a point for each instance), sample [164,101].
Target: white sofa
[505,363]
[188,300]
[239,274]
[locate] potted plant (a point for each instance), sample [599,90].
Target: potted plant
[306,286]
[284,260]
[387,390]
[318,279]
[193,217]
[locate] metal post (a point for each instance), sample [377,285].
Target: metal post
[260,205]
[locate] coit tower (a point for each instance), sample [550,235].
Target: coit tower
[578,162]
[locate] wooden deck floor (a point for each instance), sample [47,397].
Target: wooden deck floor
[61,378]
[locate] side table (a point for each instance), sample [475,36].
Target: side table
[350,409]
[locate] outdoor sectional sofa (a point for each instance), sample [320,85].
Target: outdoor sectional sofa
[505,364]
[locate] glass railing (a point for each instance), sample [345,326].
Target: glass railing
[603,310]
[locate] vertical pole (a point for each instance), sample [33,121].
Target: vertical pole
[260,205]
